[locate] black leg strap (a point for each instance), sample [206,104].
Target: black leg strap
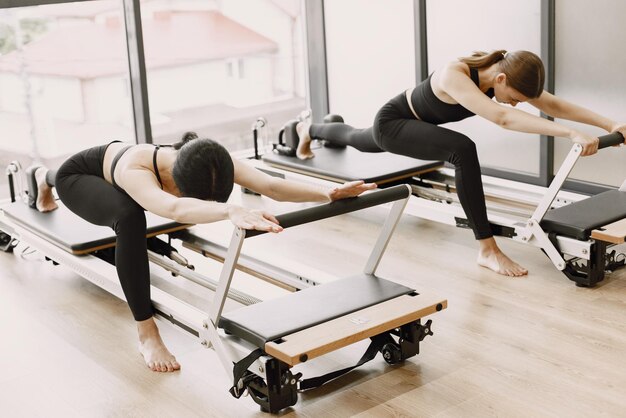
[377,343]
[239,370]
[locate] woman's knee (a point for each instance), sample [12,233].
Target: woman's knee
[463,150]
[132,218]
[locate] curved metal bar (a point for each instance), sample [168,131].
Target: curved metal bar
[339,207]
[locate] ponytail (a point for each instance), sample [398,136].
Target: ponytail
[480,59]
[524,70]
[187,136]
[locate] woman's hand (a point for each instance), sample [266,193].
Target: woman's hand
[350,189]
[253,219]
[621,128]
[588,142]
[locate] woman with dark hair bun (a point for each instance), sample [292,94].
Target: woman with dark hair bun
[408,125]
[190,182]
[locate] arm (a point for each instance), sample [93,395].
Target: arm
[142,187]
[291,191]
[461,88]
[560,108]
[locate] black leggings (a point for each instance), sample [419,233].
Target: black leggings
[396,130]
[82,188]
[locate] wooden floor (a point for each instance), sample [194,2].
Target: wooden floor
[524,347]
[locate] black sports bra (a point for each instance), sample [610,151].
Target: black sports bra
[431,109]
[154,165]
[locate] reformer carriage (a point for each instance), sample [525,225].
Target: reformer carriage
[258,344]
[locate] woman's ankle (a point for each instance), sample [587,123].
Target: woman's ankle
[488,246]
[147,329]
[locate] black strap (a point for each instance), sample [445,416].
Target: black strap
[378,341]
[474,76]
[154,164]
[241,367]
[239,370]
[114,164]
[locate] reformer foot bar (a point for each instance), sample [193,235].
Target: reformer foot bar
[574,231]
[260,343]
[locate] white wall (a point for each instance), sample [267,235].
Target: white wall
[458,27]
[12,93]
[370,51]
[591,71]
[110,101]
[198,85]
[186,87]
[59,97]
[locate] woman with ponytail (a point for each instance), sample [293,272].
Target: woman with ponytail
[409,125]
[189,182]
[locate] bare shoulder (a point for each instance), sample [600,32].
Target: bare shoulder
[454,67]
[447,76]
[137,157]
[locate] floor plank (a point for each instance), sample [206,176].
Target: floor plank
[534,346]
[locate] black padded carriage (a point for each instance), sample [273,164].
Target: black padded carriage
[348,164]
[579,219]
[72,233]
[270,320]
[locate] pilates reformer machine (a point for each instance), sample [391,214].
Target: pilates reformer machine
[262,343]
[576,232]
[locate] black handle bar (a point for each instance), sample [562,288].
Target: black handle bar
[615,138]
[339,207]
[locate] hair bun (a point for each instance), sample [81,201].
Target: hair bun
[188,136]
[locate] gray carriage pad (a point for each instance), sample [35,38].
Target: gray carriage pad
[579,219]
[72,233]
[275,318]
[348,164]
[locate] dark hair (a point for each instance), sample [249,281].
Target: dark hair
[187,136]
[524,70]
[203,169]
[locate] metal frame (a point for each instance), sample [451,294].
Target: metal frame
[137,71]
[421,40]
[548,35]
[258,268]
[386,232]
[317,80]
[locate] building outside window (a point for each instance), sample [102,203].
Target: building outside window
[212,67]
[63,81]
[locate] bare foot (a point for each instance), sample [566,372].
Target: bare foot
[500,263]
[45,198]
[151,346]
[303,151]
[305,115]
[491,257]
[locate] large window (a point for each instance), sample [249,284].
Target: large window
[370,52]
[458,27]
[213,67]
[590,64]
[63,81]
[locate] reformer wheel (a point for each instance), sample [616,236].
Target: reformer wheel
[391,353]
